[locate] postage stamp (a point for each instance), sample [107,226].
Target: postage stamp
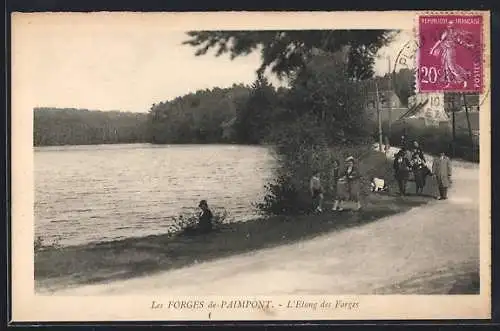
[450,54]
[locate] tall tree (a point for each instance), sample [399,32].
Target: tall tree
[285,52]
[404,84]
[255,117]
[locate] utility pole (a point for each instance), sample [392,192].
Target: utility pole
[390,98]
[468,124]
[379,119]
[453,139]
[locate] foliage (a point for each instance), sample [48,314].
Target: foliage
[434,140]
[198,117]
[289,193]
[287,52]
[182,223]
[324,120]
[403,83]
[256,117]
[53,126]
[40,244]
[324,91]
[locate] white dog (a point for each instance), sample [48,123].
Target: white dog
[378,185]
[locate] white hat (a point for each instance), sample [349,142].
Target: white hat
[350,158]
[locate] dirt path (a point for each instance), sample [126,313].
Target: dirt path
[426,250]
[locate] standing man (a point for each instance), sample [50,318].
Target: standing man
[441,168]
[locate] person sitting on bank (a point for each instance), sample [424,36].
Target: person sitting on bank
[441,169]
[316,192]
[205,218]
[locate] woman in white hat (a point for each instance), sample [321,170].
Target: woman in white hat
[351,176]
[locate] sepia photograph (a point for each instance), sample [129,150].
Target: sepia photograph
[286,170]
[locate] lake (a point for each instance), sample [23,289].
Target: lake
[107,192]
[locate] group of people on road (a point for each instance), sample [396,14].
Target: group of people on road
[345,185]
[411,161]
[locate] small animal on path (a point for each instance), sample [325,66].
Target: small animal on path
[378,185]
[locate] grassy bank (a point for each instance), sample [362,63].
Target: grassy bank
[57,268]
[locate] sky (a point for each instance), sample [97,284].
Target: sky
[125,67]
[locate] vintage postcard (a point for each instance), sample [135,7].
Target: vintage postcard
[250,166]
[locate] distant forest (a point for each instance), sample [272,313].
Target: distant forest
[242,114]
[68,126]
[206,116]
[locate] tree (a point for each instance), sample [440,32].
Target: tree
[403,83]
[68,126]
[324,120]
[254,118]
[195,117]
[324,91]
[286,52]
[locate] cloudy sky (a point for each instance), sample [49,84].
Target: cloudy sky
[124,67]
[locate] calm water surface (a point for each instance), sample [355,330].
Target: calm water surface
[107,192]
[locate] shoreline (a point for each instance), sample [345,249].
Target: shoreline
[102,262]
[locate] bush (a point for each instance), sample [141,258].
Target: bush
[433,140]
[324,109]
[40,244]
[185,221]
[289,193]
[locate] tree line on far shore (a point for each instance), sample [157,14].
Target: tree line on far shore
[70,126]
[241,114]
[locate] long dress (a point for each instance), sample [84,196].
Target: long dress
[420,172]
[335,182]
[353,183]
[446,50]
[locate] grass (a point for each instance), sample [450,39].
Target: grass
[57,267]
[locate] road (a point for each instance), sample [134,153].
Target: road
[425,250]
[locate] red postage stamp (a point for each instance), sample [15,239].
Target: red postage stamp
[450,54]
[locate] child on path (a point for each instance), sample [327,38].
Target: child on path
[316,192]
[335,185]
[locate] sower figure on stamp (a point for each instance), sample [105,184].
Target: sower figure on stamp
[441,168]
[445,48]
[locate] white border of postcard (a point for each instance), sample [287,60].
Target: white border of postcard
[26,306]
